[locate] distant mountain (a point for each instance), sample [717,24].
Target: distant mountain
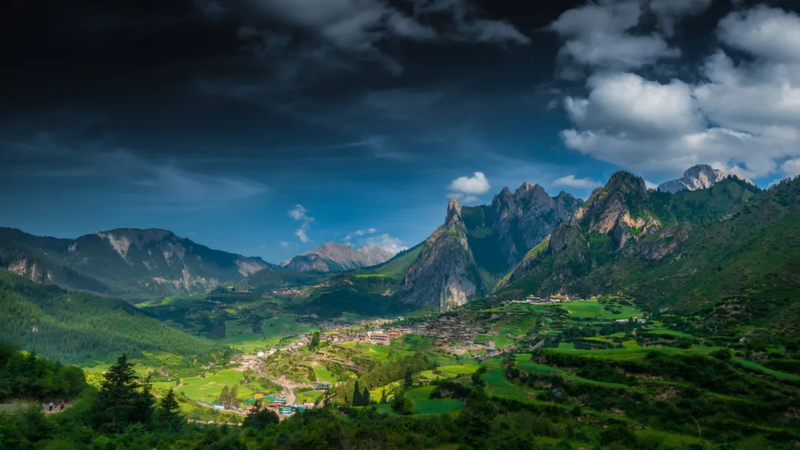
[334,257]
[129,263]
[701,176]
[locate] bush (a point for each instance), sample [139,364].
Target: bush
[724,354]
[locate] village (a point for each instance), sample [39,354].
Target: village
[449,333]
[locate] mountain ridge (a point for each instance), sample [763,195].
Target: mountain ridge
[130,263]
[333,257]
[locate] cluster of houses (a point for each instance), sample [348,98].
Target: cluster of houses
[296,291]
[533,300]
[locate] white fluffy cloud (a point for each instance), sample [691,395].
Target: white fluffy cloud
[467,189]
[769,33]
[597,36]
[300,214]
[791,168]
[477,184]
[606,34]
[390,244]
[742,117]
[578,183]
[625,103]
[358,233]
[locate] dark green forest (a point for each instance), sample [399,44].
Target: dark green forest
[77,327]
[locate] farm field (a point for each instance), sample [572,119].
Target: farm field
[208,389]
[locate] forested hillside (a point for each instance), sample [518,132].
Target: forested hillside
[79,327]
[26,376]
[729,249]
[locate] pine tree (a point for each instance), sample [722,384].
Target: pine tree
[383,397]
[357,396]
[234,394]
[408,380]
[120,402]
[224,396]
[168,413]
[314,340]
[365,397]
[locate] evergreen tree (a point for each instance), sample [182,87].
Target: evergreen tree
[168,413]
[234,395]
[261,418]
[314,340]
[476,417]
[224,396]
[383,397]
[365,397]
[408,380]
[121,401]
[357,396]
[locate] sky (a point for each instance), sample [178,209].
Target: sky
[268,127]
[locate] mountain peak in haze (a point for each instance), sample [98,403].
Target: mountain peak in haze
[333,256]
[701,176]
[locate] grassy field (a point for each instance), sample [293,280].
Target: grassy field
[499,341]
[420,398]
[670,333]
[309,396]
[276,329]
[323,374]
[592,309]
[209,388]
[755,367]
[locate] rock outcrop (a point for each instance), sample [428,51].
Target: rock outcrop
[524,218]
[445,274]
[701,176]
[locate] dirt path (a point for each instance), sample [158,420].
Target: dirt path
[22,405]
[287,385]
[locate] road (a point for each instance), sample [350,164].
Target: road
[287,385]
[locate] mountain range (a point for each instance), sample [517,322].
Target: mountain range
[719,241]
[129,263]
[334,257]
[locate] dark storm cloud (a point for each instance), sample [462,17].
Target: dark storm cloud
[330,35]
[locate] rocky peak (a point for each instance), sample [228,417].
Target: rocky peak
[453,212]
[333,256]
[626,183]
[701,176]
[619,207]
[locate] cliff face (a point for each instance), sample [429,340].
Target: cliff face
[444,274]
[524,218]
[129,263]
[617,214]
